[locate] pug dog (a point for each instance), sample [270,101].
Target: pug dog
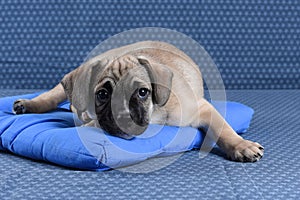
[125,89]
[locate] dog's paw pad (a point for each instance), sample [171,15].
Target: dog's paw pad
[19,107]
[247,151]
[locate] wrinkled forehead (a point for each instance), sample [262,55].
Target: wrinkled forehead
[125,70]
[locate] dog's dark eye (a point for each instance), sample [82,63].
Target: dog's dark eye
[143,93]
[102,95]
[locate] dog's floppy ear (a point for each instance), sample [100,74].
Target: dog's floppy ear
[161,80]
[79,86]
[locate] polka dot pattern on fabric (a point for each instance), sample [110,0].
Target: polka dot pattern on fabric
[255,44]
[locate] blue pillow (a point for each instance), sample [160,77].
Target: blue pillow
[53,137]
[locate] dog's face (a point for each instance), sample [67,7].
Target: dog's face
[123,93]
[123,98]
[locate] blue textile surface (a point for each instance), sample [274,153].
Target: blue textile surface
[53,137]
[254,43]
[276,176]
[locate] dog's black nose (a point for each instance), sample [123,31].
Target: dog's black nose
[142,122]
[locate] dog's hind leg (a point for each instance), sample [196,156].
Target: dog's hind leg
[43,103]
[219,130]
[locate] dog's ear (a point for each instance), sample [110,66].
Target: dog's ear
[161,80]
[79,85]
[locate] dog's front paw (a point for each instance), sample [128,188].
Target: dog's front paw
[21,106]
[246,151]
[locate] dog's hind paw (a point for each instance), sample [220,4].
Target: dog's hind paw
[246,151]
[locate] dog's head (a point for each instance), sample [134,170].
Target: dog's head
[120,94]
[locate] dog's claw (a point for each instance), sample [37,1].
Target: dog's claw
[261,148]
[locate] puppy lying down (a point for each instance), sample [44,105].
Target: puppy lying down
[125,89]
